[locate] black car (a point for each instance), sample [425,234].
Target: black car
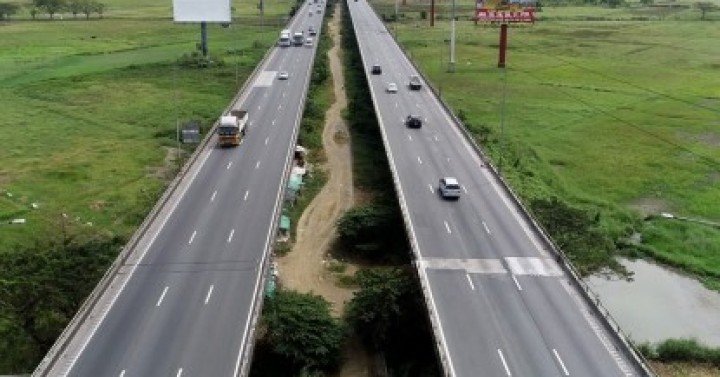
[415,83]
[413,121]
[376,69]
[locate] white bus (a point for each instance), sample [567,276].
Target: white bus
[284,38]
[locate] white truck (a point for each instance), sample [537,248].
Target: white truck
[284,40]
[232,128]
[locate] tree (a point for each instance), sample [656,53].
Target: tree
[7,10]
[42,287]
[705,7]
[87,8]
[647,2]
[76,6]
[377,306]
[99,8]
[371,229]
[33,12]
[50,6]
[299,327]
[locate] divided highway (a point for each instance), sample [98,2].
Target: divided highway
[500,303]
[184,302]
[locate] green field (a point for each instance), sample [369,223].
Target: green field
[89,108]
[617,116]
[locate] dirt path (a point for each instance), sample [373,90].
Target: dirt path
[304,268]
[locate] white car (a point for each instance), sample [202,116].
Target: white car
[283,75]
[391,87]
[308,42]
[449,188]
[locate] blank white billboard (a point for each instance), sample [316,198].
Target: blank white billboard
[201,11]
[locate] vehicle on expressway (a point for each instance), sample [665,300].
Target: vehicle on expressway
[449,188]
[391,87]
[415,83]
[311,30]
[232,128]
[284,40]
[413,121]
[376,69]
[283,75]
[298,38]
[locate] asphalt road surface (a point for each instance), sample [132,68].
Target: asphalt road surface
[504,306]
[186,308]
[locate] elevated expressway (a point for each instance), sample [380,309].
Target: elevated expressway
[183,297]
[500,302]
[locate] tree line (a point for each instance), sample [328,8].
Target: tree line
[53,7]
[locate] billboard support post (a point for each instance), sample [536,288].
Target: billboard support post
[203,39]
[503,45]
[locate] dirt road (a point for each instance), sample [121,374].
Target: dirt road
[303,268]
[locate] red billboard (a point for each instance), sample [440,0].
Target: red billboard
[505,11]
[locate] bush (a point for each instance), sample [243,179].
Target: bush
[196,59]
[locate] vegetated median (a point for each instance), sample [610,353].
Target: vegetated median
[387,312]
[89,136]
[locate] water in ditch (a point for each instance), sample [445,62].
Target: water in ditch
[660,304]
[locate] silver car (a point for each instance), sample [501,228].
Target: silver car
[391,87]
[449,188]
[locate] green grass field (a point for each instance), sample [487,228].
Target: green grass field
[614,115]
[89,109]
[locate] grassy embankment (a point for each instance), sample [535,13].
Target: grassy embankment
[88,129]
[613,115]
[90,107]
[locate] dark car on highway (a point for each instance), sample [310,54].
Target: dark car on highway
[413,121]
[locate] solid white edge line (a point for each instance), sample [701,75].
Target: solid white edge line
[472,286]
[517,283]
[162,296]
[210,291]
[447,227]
[230,237]
[212,198]
[486,228]
[142,256]
[246,195]
[267,239]
[502,358]
[192,237]
[413,238]
[557,356]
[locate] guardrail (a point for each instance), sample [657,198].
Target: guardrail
[259,298]
[60,345]
[590,297]
[422,276]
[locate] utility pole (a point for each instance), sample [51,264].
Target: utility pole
[451,65]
